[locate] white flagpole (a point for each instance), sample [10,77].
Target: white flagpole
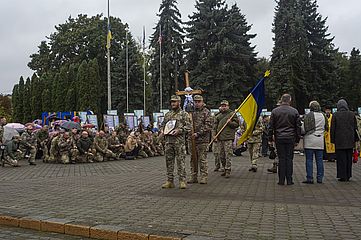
[127,67]
[160,68]
[144,70]
[108,58]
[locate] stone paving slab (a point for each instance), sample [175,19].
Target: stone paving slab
[128,194]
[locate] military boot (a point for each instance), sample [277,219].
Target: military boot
[182,185]
[273,169]
[204,180]
[223,173]
[168,184]
[193,179]
[227,173]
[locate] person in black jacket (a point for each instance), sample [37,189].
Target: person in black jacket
[285,130]
[343,135]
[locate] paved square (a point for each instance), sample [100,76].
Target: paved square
[246,206]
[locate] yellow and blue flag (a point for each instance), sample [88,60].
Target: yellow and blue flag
[109,37]
[251,108]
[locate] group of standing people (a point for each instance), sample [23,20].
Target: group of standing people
[177,124]
[286,130]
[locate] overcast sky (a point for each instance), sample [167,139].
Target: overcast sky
[24,24]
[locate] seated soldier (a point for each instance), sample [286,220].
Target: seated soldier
[64,148]
[84,146]
[42,136]
[28,144]
[101,148]
[131,147]
[114,144]
[147,140]
[12,152]
[54,148]
[74,152]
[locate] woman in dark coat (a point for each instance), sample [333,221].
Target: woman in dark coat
[343,135]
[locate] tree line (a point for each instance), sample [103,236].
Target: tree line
[214,45]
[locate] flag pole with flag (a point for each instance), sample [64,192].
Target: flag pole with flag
[144,73]
[109,38]
[250,109]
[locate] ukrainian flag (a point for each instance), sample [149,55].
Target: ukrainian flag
[109,37]
[251,108]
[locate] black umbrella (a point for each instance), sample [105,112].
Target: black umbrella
[70,125]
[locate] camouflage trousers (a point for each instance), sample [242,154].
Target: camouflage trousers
[101,156]
[54,155]
[64,157]
[13,162]
[85,158]
[253,149]
[225,153]
[175,153]
[216,151]
[202,162]
[31,152]
[45,148]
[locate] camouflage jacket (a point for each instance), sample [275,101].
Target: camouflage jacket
[28,140]
[1,133]
[64,145]
[100,144]
[229,131]
[202,123]
[42,136]
[112,142]
[183,125]
[256,136]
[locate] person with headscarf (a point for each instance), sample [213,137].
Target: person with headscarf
[343,135]
[315,124]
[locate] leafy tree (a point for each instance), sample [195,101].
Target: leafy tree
[135,79]
[220,56]
[36,93]
[5,107]
[61,89]
[322,55]
[290,57]
[168,35]
[27,102]
[354,85]
[15,99]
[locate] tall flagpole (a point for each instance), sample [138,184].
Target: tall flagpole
[108,58]
[127,67]
[160,68]
[144,70]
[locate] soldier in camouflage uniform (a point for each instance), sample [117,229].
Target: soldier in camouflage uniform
[74,152]
[254,144]
[12,152]
[114,144]
[202,124]
[84,146]
[28,144]
[54,148]
[174,127]
[216,150]
[64,146]
[2,124]
[42,137]
[101,148]
[226,137]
